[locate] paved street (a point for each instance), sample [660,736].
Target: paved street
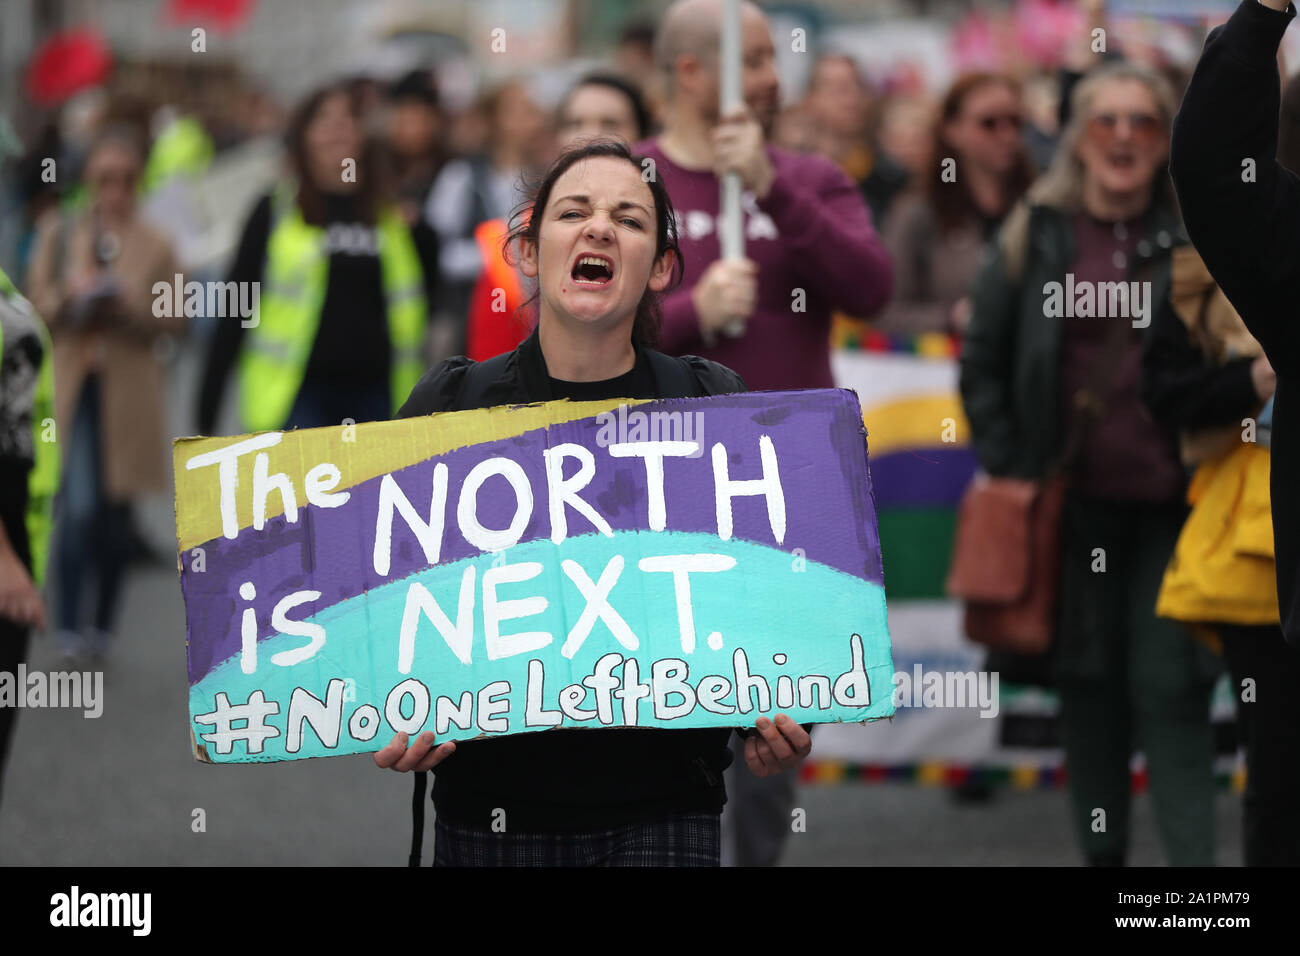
[121,789]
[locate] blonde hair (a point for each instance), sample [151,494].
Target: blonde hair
[1061,186]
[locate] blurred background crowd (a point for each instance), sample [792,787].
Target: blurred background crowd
[996,146]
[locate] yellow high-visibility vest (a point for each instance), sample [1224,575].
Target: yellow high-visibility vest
[184,148]
[277,347]
[43,479]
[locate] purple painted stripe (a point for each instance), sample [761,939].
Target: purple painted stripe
[817,435]
[922,477]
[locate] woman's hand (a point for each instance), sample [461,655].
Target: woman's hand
[82,281]
[781,746]
[1263,378]
[421,755]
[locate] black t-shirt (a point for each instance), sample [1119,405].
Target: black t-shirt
[635,383]
[351,346]
[572,779]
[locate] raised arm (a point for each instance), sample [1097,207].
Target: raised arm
[1242,208]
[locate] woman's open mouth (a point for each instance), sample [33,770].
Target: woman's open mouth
[593,271]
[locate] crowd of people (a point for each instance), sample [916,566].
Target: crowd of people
[401,238]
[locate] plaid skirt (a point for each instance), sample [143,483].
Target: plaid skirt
[683,840]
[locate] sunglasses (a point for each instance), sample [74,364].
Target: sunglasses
[1143,127]
[993,123]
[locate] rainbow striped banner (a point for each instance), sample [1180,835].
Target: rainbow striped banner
[678,563]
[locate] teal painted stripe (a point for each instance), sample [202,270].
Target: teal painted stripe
[772,602]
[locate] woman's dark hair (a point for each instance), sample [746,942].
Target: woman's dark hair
[524,225]
[372,174]
[619,85]
[955,206]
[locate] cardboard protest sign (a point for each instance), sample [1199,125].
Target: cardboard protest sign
[676,563]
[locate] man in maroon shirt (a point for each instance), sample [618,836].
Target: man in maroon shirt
[809,241]
[810,249]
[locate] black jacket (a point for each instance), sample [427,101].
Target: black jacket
[1242,211]
[574,779]
[519,377]
[1010,361]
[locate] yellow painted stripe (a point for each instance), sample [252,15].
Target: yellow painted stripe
[916,423]
[360,452]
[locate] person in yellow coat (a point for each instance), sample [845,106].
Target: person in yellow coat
[1207,377]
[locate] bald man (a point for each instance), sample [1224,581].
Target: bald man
[810,248]
[810,245]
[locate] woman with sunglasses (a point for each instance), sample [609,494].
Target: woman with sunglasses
[977,170]
[619,796]
[1049,384]
[92,277]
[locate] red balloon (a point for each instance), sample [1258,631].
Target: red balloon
[67,63]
